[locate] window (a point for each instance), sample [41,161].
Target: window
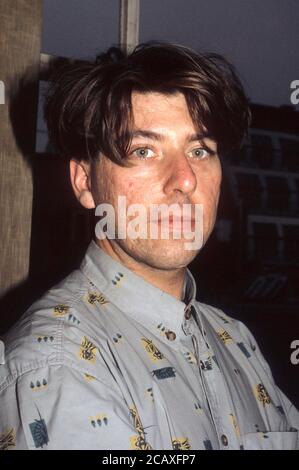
[290,154]
[237,157]
[262,151]
[77,29]
[249,189]
[291,246]
[265,241]
[278,193]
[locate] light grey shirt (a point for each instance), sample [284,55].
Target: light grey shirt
[105,360]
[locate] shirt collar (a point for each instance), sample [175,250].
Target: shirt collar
[136,297]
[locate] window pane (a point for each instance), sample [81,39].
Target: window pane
[290,154]
[291,246]
[265,241]
[79,29]
[262,152]
[249,190]
[278,193]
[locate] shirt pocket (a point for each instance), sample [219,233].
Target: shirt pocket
[271,440]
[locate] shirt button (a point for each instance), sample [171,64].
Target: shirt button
[188,313]
[224,440]
[170,335]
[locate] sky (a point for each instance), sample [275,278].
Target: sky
[260,37]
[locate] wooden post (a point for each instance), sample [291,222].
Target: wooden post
[19,52]
[129,24]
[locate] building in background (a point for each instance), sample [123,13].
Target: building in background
[259,211]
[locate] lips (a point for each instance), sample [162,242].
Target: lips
[176,223]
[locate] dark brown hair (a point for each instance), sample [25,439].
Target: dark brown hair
[88,106]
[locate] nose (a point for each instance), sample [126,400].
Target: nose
[181,178]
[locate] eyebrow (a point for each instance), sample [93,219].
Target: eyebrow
[159,137]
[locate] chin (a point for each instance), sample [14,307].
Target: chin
[161,254]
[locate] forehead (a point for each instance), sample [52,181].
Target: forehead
[157,109]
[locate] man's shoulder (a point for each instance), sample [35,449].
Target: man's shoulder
[214,312]
[220,320]
[38,338]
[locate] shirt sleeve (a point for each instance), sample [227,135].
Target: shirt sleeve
[59,407]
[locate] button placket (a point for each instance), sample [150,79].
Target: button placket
[187,321]
[206,389]
[188,313]
[2,352]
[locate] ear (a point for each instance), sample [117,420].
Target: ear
[80,179]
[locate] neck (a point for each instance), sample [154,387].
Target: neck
[169,281]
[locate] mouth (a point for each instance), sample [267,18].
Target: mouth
[176,223]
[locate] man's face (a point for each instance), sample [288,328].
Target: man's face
[170,163]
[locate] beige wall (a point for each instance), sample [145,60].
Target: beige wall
[20,26]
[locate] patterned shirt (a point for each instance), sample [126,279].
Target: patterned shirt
[105,360]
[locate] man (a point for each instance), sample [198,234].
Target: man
[120,355]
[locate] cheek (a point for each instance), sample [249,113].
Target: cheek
[139,184]
[217,188]
[210,198]
[122,185]
[129,187]
[111,181]
[209,187]
[137,188]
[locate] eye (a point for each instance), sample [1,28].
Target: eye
[200,152]
[143,153]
